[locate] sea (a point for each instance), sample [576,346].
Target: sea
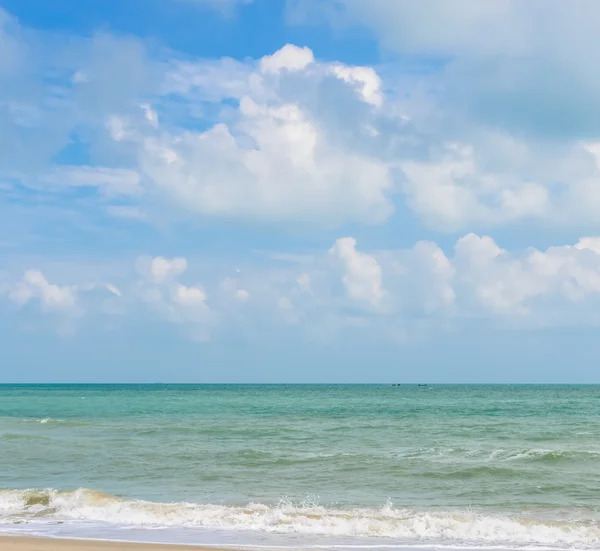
[304,467]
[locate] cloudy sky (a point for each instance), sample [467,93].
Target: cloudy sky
[300,190]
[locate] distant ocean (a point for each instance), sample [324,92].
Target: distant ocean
[304,466]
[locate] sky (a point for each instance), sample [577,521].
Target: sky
[266,191]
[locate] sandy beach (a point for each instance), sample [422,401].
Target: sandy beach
[17,543]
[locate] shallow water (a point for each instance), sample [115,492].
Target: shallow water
[304,465]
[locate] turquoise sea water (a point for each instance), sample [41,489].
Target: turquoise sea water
[509,466]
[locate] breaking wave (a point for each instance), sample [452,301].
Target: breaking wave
[401,525]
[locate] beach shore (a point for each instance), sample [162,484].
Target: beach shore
[18,543]
[28,543]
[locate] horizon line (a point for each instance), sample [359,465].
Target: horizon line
[164,383]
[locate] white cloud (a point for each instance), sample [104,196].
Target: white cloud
[111,288]
[70,301]
[361,273]
[271,159]
[532,284]
[365,78]
[173,301]
[390,292]
[290,58]
[501,180]
[494,280]
[291,173]
[557,286]
[231,289]
[150,114]
[118,128]
[290,139]
[426,278]
[189,296]
[160,269]
[454,192]
[286,156]
[407,292]
[503,121]
[51,296]
[591,243]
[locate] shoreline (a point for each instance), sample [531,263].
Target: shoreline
[16,542]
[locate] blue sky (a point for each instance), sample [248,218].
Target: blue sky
[299,191]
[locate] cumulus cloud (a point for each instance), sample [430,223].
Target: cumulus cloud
[173,301]
[189,295]
[297,143]
[499,180]
[365,79]
[498,128]
[288,58]
[291,173]
[69,301]
[591,243]
[272,158]
[35,286]
[503,117]
[293,139]
[538,285]
[478,280]
[159,269]
[388,292]
[424,288]
[361,272]
[452,191]
[276,156]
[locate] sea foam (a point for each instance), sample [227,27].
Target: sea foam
[394,524]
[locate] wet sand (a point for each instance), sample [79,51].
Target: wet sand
[17,543]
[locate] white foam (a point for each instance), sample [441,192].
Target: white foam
[401,525]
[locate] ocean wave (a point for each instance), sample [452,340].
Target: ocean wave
[496,456]
[470,459]
[543,455]
[407,526]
